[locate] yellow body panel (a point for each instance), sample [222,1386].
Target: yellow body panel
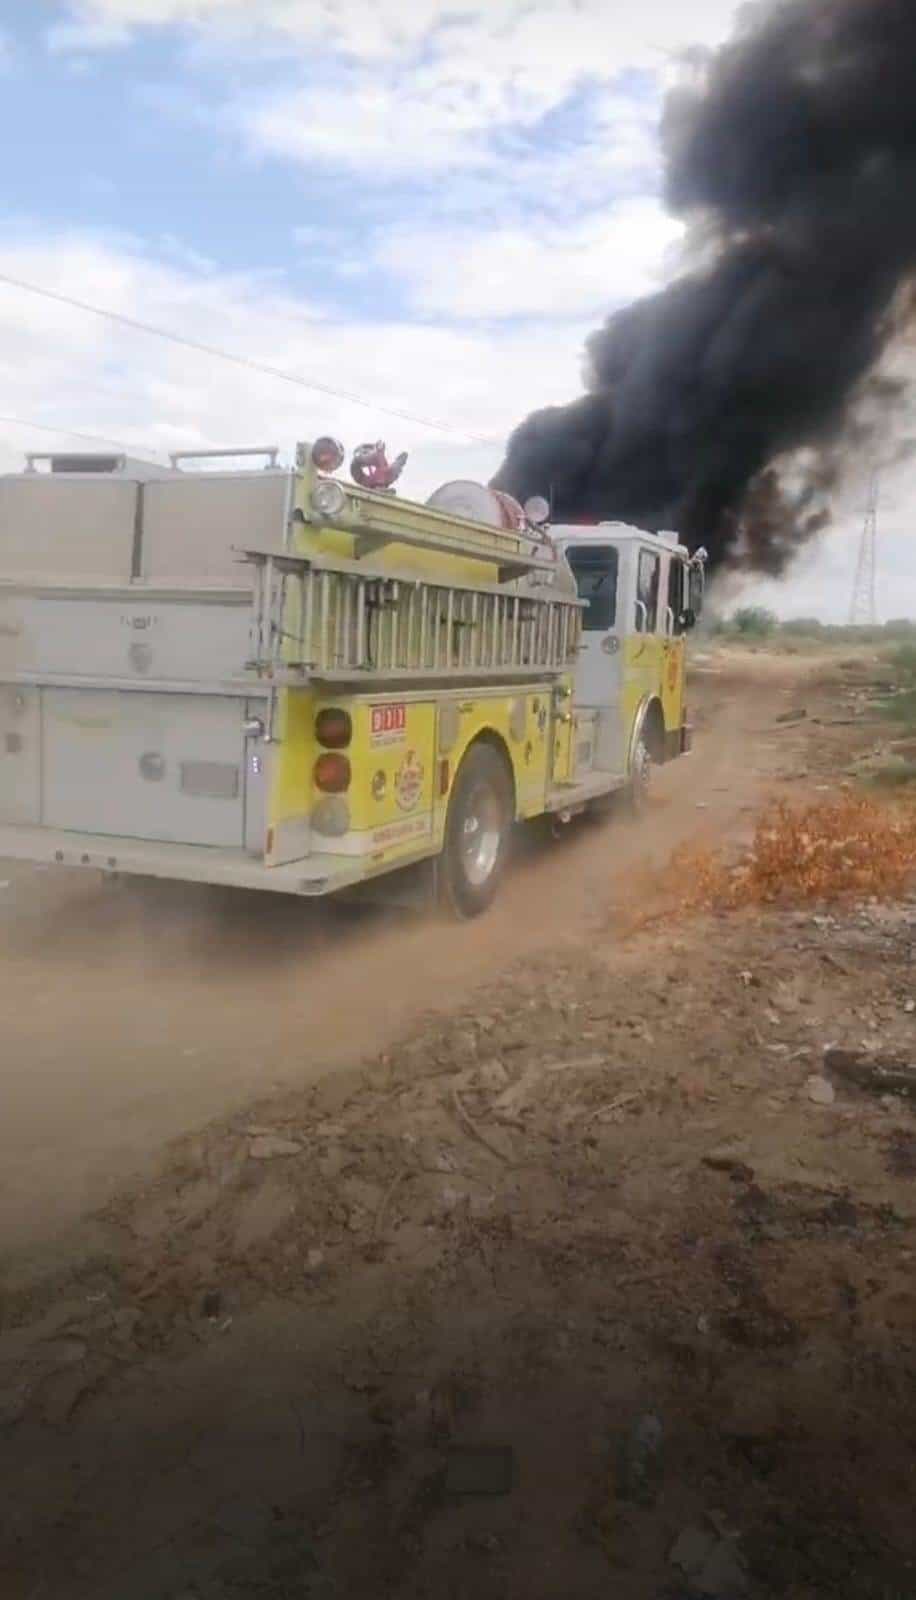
[404,754]
[642,677]
[406,749]
[653,669]
[673,663]
[518,722]
[393,756]
[564,747]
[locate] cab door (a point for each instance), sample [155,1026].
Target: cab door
[675,646]
[645,643]
[598,570]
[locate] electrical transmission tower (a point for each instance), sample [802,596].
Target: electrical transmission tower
[862,607]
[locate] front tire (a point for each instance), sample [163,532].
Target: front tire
[477,832]
[640,785]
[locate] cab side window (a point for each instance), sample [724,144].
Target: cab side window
[594,567]
[647,576]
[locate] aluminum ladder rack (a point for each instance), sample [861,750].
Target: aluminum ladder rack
[335,620]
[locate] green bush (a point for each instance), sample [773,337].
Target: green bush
[903,662]
[754,622]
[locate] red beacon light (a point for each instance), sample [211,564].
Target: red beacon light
[327,454]
[371,469]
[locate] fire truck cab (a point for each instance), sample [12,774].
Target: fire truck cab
[639,592]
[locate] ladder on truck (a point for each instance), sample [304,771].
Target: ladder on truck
[331,619]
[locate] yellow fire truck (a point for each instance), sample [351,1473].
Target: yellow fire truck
[280,679]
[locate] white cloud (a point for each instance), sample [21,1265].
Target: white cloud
[585,269]
[418,87]
[363,124]
[363,26]
[401,126]
[61,365]
[496,69]
[547,35]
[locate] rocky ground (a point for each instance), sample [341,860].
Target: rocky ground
[600,1283]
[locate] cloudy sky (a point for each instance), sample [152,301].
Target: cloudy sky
[422,206]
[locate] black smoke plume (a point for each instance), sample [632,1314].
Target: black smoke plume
[796,161]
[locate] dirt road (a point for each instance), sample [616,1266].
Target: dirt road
[598,1281]
[133,1013]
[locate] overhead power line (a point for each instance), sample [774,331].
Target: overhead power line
[68,433]
[237,360]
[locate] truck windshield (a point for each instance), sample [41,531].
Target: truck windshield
[594,568]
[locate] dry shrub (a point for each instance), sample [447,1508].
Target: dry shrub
[851,847]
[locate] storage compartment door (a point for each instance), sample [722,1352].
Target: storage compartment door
[145,766]
[20,751]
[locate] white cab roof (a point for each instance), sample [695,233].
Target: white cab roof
[566,532]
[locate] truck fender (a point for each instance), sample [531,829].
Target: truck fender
[649,720]
[496,742]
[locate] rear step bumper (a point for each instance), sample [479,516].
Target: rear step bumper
[191,863]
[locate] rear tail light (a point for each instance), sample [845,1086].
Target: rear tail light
[333,728]
[332,773]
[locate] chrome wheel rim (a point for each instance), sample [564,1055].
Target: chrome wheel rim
[642,770]
[481,834]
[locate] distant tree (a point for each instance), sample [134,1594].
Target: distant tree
[754,621]
[900,627]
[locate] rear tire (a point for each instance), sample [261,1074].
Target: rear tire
[477,830]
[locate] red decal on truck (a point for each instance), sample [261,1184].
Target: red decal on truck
[389,724]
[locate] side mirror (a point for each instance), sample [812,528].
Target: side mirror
[696,587]
[687,619]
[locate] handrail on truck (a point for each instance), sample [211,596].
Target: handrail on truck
[271,451]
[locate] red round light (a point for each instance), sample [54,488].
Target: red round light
[327,454]
[333,728]
[332,773]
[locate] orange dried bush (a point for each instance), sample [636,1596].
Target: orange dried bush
[854,846]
